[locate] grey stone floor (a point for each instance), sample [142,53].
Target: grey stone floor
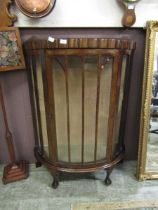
[36,193]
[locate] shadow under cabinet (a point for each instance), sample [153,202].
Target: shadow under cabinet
[79,93]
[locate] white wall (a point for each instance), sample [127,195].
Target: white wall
[89,13]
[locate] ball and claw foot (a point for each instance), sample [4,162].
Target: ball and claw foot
[107,181]
[55,184]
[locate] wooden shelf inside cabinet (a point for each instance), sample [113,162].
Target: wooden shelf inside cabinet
[79,93]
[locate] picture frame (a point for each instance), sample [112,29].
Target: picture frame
[11,53]
[147,164]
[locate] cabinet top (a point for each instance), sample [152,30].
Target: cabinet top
[79,43]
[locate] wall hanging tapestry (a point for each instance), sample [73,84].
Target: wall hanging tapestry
[11,54]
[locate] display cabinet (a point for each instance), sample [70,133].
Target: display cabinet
[79,94]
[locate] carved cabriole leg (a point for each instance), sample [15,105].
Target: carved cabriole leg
[107,179]
[56,179]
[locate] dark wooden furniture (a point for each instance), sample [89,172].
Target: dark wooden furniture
[79,93]
[13,171]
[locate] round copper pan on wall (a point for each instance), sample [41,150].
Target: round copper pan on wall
[35,8]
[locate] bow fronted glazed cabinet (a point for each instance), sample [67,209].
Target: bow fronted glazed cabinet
[79,93]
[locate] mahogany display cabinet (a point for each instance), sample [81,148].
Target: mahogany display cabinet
[79,93]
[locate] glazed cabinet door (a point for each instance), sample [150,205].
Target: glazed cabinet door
[82,92]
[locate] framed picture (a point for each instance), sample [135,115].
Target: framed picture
[11,53]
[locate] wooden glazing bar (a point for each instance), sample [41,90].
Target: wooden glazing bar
[31,66]
[113,107]
[127,83]
[120,62]
[67,105]
[34,72]
[97,108]
[31,91]
[83,99]
[47,66]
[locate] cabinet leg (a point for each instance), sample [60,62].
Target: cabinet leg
[38,164]
[56,180]
[107,180]
[121,161]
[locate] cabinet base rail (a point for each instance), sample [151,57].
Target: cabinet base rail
[55,169]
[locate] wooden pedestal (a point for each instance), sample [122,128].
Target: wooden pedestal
[15,172]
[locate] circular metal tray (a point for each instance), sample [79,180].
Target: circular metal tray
[35,8]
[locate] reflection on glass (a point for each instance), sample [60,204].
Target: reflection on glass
[60,107]
[152,147]
[75,86]
[41,128]
[118,121]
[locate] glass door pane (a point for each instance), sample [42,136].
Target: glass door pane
[81,87]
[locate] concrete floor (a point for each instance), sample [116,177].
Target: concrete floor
[36,193]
